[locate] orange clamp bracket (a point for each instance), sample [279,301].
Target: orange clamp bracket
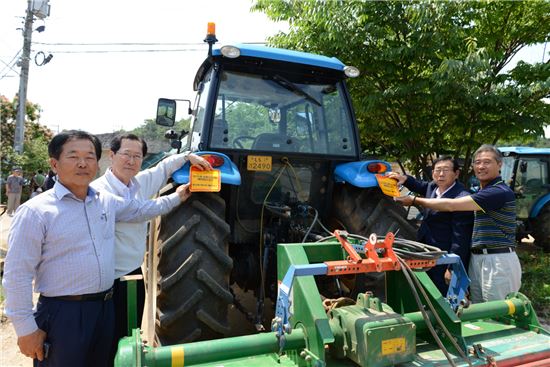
[341,237]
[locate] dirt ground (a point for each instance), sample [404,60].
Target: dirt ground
[9,352]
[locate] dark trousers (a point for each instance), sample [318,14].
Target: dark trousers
[80,332]
[120,298]
[437,275]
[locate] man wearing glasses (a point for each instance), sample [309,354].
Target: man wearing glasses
[124,179]
[494,267]
[451,232]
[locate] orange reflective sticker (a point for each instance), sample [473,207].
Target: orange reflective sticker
[388,185]
[205,181]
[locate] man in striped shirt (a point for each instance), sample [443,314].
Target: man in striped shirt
[494,267]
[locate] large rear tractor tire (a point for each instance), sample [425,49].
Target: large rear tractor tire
[193,271]
[541,229]
[366,211]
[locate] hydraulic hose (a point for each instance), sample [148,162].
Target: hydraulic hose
[436,315]
[425,316]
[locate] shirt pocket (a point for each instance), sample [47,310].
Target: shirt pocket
[108,229]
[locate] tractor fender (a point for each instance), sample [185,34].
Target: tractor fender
[357,173]
[229,172]
[539,205]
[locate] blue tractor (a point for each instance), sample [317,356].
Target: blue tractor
[280,127]
[526,171]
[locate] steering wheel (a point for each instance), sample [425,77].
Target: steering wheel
[237,142]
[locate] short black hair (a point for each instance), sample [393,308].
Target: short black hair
[56,144]
[117,142]
[442,158]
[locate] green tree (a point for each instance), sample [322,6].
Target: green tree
[151,131]
[35,144]
[434,78]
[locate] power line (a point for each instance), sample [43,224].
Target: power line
[130,43]
[123,51]
[117,44]
[201,47]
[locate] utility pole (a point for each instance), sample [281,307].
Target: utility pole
[23,81]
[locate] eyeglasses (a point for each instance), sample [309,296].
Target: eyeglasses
[485,162]
[127,156]
[442,170]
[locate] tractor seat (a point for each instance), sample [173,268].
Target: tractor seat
[275,142]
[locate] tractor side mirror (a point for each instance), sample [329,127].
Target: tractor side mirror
[166,112]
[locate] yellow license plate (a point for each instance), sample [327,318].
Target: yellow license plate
[258,163]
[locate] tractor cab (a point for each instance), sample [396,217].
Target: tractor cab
[526,171]
[249,98]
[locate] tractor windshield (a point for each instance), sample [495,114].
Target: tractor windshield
[273,114]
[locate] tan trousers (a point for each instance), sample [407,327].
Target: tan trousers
[493,276]
[14,199]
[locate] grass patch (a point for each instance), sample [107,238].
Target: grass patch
[535,281]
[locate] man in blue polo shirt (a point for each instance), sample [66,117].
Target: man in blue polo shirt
[494,267]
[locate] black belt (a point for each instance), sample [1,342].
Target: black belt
[496,250]
[101,296]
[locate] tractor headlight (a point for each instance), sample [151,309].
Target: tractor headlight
[231,52]
[351,71]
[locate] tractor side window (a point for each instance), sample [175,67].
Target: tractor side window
[531,183]
[340,134]
[532,175]
[200,108]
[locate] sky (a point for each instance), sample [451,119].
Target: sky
[84,87]
[104,92]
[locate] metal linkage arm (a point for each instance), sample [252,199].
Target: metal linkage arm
[458,287]
[281,322]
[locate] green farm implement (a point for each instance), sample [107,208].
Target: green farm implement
[416,326]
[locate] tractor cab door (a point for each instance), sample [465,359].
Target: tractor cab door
[530,183]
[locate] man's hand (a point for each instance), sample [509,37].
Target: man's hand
[199,162]
[31,345]
[184,192]
[397,176]
[405,200]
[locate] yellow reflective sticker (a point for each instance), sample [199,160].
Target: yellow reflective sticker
[178,357]
[205,181]
[511,307]
[393,346]
[258,163]
[388,185]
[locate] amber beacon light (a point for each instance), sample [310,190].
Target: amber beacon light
[211,29]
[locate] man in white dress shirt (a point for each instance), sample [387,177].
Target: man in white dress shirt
[125,179]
